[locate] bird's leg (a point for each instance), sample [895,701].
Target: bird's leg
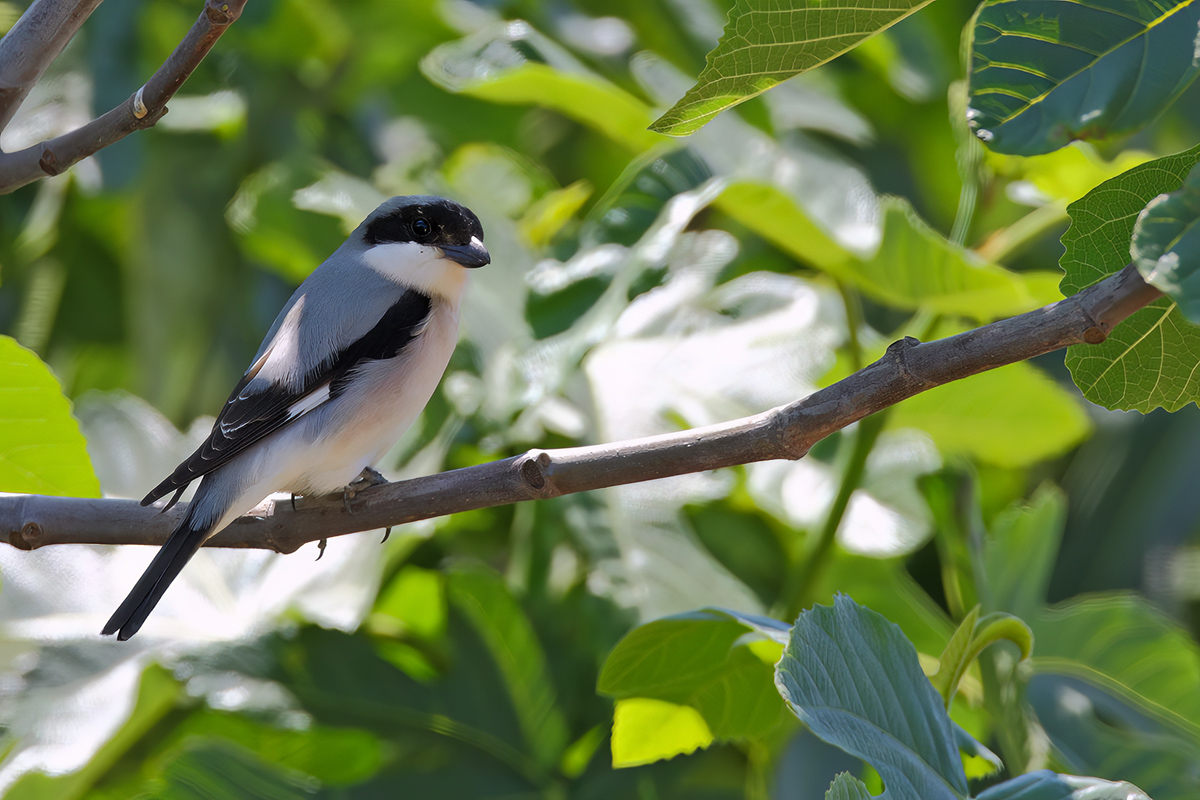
[366,479]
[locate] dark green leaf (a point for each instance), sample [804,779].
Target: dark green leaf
[214,770]
[1166,245]
[847,787]
[1135,367]
[1045,72]
[768,41]
[853,678]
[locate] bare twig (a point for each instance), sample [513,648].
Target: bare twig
[142,110]
[32,43]
[908,368]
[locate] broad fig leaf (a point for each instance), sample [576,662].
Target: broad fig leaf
[1166,245]
[41,448]
[768,41]
[847,787]
[1046,72]
[1144,362]
[853,678]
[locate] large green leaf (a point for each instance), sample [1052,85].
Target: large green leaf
[847,787]
[1047,785]
[1045,72]
[41,448]
[703,661]
[1141,364]
[1166,245]
[853,678]
[768,41]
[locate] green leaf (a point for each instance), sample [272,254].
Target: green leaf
[1136,366]
[967,643]
[773,215]
[1047,785]
[852,677]
[1020,553]
[510,638]
[41,448]
[1045,72]
[847,787]
[1120,644]
[211,769]
[510,62]
[1014,416]
[704,660]
[1166,245]
[646,730]
[552,211]
[768,41]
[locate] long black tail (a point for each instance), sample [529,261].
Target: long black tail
[183,543]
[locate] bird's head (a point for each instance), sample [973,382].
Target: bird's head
[423,241]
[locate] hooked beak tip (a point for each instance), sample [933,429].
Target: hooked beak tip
[471,255]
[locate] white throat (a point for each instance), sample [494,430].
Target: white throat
[423,267]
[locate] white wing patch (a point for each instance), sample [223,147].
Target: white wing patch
[310,401]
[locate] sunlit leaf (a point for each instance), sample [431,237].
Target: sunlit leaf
[703,660]
[1166,245]
[766,42]
[850,675]
[1135,367]
[646,730]
[41,448]
[1045,72]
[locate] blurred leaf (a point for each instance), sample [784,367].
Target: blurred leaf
[1047,785]
[1068,173]
[852,677]
[1014,416]
[552,211]
[1044,72]
[512,63]
[1122,645]
[1166,245]
[767,42]
[502,624]
[703,660]
[157,693]
[646,730]
[847,787]
[1019,554]
[415,599]
[1134,368]
[41,448]
[772,214]
[215,770]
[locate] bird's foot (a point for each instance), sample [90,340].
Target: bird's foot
[366,479]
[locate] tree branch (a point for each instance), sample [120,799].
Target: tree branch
[142,110]
[32,44]
[908,368]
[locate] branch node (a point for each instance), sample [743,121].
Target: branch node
[219,12]
[49,162]
[27,538]
[1095,335]
[139,105]
[532,469]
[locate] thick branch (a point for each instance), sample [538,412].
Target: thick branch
[908,368]
[142,110]
[32,44]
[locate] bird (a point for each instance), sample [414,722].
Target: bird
[347,366]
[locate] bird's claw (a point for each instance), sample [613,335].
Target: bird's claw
[366,479]
[386,534]
[321,548]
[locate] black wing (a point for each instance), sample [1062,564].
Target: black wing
[249,416]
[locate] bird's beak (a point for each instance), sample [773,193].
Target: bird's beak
[469,255]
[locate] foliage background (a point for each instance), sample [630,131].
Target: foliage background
[463,656]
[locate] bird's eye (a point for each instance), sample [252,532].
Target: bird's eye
[421,227]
